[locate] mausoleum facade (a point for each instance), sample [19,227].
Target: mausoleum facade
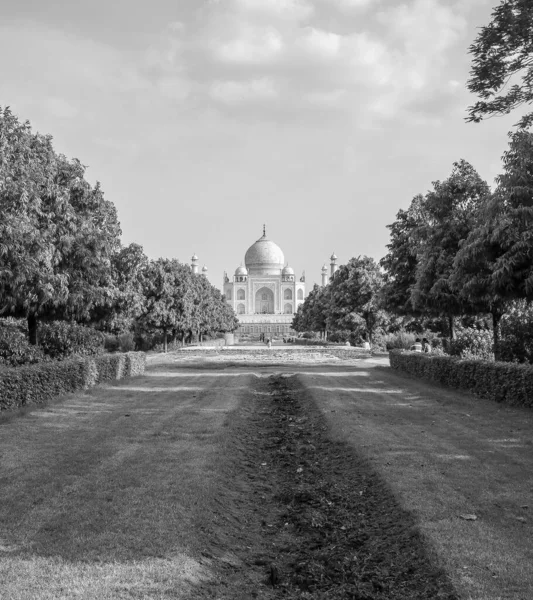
[264,292]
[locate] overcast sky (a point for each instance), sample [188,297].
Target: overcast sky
[204,119]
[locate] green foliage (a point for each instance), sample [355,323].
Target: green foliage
[503,50]
[15,349]
[516,343]
[498,381]
[354,295]
[313,313]
[400,340]
[61,339]
[57,232]
[126,342]
[400,262]
[340,336]
[450,211]
[471,342]
[40,383]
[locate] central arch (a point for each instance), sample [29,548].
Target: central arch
[264,301]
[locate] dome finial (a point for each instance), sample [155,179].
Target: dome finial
[264,230]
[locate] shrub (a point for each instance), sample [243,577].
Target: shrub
[37,384]
[401,339]
[110,366]
[135,364]
[126,342]
[499,381]
[340,336]
[60,339]
[472,343]
[15,349]
[111,343]
[516,343]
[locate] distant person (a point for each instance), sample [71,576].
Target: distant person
[269,343]
[417,346]
[366,345]
[426,346]
[347,343]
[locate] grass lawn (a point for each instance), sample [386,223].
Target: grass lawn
[105,494]
[187,483]
[447,456]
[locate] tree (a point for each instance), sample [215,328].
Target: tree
[355,297]
[127,267]
[494,265]
[450,211]
[167,297]
[57,233]
[313,313]
[400,262]
[210,313]
[503,50]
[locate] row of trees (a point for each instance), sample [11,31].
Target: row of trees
[61,257]
[459,250]
[463,249]
[350,302]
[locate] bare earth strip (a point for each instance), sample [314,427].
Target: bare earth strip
[169,485]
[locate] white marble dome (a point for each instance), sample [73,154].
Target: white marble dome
[264,257]
[241,271]
[287,270]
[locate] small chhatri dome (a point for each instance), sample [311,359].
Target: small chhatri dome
[324,269]
[194,257]
[333,257]
[287,270]
[204,269]
[264,257]
[241,271]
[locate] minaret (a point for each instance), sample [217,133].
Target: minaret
[324,276]
[194,264]
[333,265]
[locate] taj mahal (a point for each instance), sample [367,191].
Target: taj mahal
[265,293]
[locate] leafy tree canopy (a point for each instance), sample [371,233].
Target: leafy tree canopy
[400,262]
[503,52]
[355,296]
[57,233]
[450,212]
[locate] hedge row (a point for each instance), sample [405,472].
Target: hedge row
[502,382]
[37,384]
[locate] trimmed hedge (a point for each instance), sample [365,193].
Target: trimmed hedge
[502,382]
[40,383]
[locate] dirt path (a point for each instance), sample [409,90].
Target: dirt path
[213,480]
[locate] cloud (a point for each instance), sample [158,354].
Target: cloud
[239,92]
[319,43]
[251,45]
[294,10]
[273,57]
[350,5]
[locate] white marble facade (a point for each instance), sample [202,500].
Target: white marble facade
[264,293]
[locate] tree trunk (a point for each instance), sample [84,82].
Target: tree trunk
[32,329]
[451,325]
[165,340]
[496,318]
